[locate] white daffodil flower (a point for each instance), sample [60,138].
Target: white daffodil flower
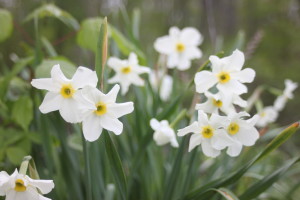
[102,112]
[180,47]
[241,131]
[208,133]
[268,115]
[163,133]
[63,92]
[21,187]
[280,101]
[127,72]
[227,74]
[161,82]
[215,102]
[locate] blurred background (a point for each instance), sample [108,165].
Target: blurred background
[267,31]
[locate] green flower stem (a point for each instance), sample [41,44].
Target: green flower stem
[28,163]
[24,165]
[85,146]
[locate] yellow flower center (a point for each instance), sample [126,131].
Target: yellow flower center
[180,47]
[101,108]
[233,128]
[67,91]
[207,131]
[262,114]
[224,77]
[19,185]
[126,70]
[217,103]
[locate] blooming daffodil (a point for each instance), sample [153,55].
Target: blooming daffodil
[163,133]
[102,112]
[227,75]
[268,115]
[180,46]
[127,72]
[22,187]
[63,93]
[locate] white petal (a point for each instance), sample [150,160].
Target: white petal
[234,149]
[218,121]
[204,80]
[120,109]
[164,45]
[173,60]
[195,140]
[166,87]
[193,128]
[174,32]
[221,140]
[45,84]
[84,77]
[136,80]
[12,195]
[4,178]
[207,107]
[174,142]
[233,86]
[132,59]
[51,102]
[216,64]
[43,198]
[280,103]
[183,63]
[247,136]
[192,53]
[208,150]
[70,111]
[45,186]
[91,128]
[237,100]
[191,36]
[115,63]
[111,124]
[160,138]
[154,123]
[57,75]
[202,118]
[235,61]
[111,96]
[141,69]
[245,76]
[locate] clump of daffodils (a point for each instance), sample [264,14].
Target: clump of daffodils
[21,187]
[78,100]
[220,124]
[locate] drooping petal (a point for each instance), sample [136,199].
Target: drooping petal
[208,150]
[84,77]
[174,142]
[52,102]
[204,80]
[45,186]
[57,75]
[195,140]
[91,128]
[154,123]
[245,76]
[191,36]
[111,124]
[45,84]
[160,138]
[164,45]
[193,128]
[120,109]
[234,149]
[70,111]
[235,61]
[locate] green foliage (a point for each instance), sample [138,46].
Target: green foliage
[6,24]
[43,70]
[22,112]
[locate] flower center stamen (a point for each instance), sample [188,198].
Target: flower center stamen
[207,132]
[233,128]
[126,70]
[217,103]
[67,91]
[224,77]
[101,108]
[180,47]
[19,185]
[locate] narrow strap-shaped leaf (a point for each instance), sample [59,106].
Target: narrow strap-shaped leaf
[227,194]
[101,52]
[116,166]
[259,187]
[201,192]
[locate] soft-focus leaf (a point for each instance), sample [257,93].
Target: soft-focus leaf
[22,112]
[116,166]
[75,142]
[44,69]
[227,194]
[6,24]
[50,10]
[15,154]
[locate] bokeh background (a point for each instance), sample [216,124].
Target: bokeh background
[268,31]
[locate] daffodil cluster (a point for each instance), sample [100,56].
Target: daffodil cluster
[78,100]
[221,124]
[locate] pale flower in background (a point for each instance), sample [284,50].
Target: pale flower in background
[180,47]
[102,112]
[280,101]
[227,74]
[127,72]
[21,187]
[163,83]
[208,133]
[63,92]
[241,131]
[163,133]
[268,115]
